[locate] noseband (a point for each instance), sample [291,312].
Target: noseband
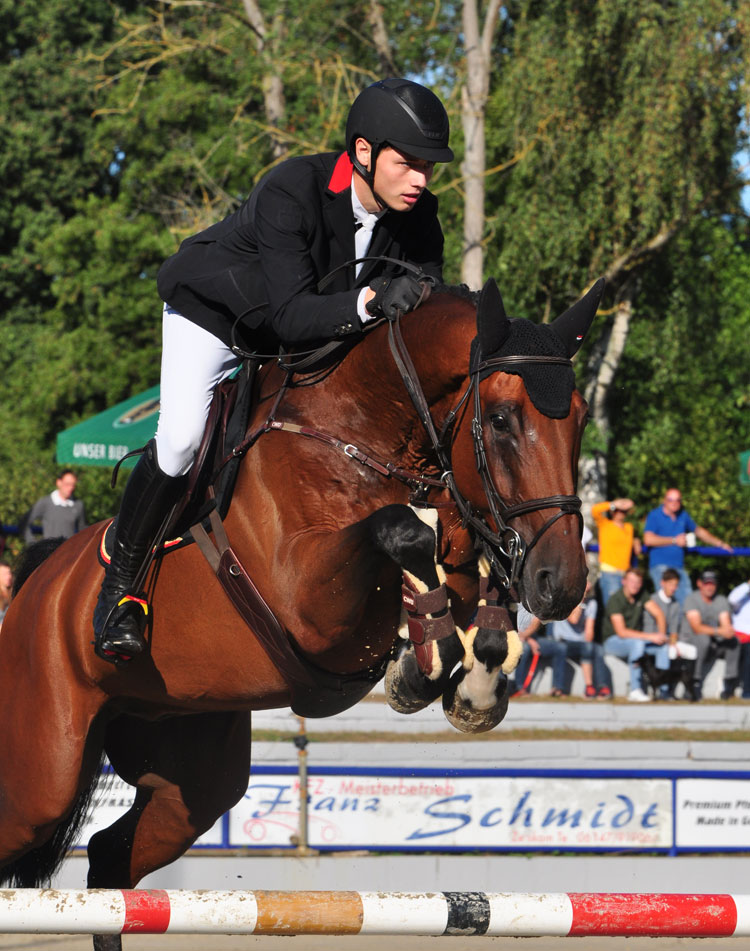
[505,543]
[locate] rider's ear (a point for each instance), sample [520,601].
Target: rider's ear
[493,325]
[572,326]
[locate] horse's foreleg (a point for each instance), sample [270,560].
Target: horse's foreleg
[476,697]
[431,645]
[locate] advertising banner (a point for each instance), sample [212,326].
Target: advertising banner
[713,814]
[406,813]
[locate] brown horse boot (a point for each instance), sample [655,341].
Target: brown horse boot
[121,614]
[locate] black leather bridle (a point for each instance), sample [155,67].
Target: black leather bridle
[504,547]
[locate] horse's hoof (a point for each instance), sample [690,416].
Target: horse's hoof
[407,690]
[462,714]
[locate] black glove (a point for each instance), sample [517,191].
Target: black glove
[394,296]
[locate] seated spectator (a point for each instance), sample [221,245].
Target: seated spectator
[576,632]
[536,645]
[667,535]
[617,544]
[707,624]
[739,602]
[61,515]
[624,634]
[6,586]
[679,651]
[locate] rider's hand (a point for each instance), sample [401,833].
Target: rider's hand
[658,638]
[395,295]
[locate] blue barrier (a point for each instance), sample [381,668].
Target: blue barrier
[708,551]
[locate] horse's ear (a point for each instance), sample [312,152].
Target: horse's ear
[493,325]
[572,326]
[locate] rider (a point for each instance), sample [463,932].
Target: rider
[304,218]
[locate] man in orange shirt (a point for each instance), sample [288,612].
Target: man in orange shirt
[617,543]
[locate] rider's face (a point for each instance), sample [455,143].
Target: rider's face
[399,178]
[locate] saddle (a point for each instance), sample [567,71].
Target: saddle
[213,476]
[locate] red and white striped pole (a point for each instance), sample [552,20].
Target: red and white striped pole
[103,911]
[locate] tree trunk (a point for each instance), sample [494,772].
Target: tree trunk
[380,38]
[604,362]
[605,359]
[274,102]
[473,105]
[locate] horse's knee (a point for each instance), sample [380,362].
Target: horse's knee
[406,539]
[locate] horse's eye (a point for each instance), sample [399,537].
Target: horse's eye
[500,423]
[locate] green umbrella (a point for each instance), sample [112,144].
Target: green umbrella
[744,458]
[105,438]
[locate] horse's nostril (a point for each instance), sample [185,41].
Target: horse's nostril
[545,584]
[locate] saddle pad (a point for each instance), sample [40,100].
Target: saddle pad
[104,551]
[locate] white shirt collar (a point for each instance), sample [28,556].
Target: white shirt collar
[361,214]
[58,500]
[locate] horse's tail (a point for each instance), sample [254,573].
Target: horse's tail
[35,868]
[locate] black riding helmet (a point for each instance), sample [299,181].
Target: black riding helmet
[402,114]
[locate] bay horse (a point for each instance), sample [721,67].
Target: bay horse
[476,411]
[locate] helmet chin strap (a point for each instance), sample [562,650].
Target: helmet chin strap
[369,176]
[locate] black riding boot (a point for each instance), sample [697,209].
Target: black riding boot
[120,613]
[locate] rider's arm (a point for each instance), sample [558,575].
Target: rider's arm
[286,231]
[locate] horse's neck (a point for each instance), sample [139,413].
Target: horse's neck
[437,341]
[365,396]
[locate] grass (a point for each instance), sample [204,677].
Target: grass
[638,734]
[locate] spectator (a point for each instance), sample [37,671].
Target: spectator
[665,598]
[739,602]
[61,515]
[536,644]
[576,632]
[708,624]
[624,634]
[666,536]
[617,544]
[6,586]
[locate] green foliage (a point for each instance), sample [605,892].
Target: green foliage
[683,384]
[625,115]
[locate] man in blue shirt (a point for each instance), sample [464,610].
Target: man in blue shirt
[666,535]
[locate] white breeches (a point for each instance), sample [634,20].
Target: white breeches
[193,363]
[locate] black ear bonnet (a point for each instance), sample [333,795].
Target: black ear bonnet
[549,385]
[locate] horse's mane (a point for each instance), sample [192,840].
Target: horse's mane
[462,291]
[33,557]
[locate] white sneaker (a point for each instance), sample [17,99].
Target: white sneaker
[638,696]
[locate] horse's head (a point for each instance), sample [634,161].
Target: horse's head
[526,430]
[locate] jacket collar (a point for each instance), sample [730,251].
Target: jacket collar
[341,176]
